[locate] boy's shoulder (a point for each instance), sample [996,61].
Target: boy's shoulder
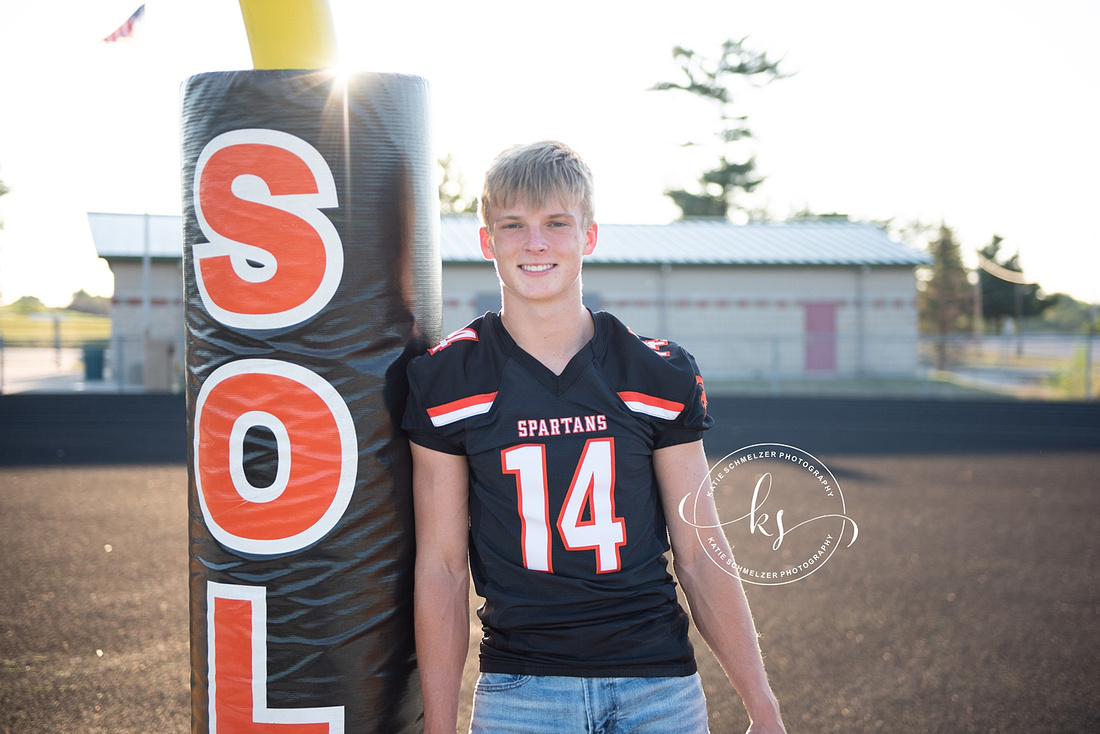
[458,344]
[654,376]
[469,333]
[647,364]
[654,353]
[465,356]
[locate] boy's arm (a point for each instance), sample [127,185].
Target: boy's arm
[441,598]
[716,599]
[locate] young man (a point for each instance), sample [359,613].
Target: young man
[551,448]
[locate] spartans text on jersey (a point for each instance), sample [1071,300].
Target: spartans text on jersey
[561,426]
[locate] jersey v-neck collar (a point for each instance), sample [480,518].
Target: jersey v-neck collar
[558,385]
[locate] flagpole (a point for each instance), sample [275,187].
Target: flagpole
[146,244]
[146,295]
[126,31]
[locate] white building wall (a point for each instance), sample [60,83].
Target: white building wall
[162,351]
[738,321]
[465,288]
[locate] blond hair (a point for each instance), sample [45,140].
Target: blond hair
[537,174]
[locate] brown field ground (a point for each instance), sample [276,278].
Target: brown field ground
[969,603]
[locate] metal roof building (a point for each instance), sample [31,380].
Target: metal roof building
[804,298]
[124,236]
[717,242]
[146,351]
[701,241]
[815,297]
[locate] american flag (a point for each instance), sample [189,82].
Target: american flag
[128,28]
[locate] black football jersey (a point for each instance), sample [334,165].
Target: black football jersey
[567,532]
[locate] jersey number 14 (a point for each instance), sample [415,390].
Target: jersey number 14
[587,519]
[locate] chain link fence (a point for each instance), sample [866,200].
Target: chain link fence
[1037,366]
[113,365]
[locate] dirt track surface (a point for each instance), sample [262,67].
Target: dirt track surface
[969,603]
[93,600]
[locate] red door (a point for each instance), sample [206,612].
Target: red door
[820,337]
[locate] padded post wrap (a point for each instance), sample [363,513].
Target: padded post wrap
[311,277]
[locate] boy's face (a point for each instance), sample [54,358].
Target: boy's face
[538,250]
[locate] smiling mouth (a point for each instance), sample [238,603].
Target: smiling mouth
[535,268]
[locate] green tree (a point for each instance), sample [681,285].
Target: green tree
[1065,313]
[1005,292]
[84,302]
[3,190]
[806,214]
[453,198]
[916,233]
[945,302]
[713,81]
[27,305]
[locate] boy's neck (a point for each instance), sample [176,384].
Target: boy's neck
[552,336]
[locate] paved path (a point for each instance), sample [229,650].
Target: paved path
[41,370]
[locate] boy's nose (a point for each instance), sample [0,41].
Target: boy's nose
[535,242]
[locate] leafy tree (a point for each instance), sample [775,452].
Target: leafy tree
[84,302]
[916,233]
[453,198]
[712,80]
[1001,297]
[946,301]
[3,190]
[805,214]
[1065,313]
[27,305]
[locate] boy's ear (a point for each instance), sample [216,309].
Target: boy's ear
[591,234]
[486,244]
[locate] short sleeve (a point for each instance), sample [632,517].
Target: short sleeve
[418,424]
[693,420]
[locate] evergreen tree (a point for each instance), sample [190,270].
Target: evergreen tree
[946,302]
[712,80]
[1007,294]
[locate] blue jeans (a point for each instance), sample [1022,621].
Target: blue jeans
[526,704]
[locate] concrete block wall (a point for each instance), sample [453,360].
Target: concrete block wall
[737,321]
[155,364]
